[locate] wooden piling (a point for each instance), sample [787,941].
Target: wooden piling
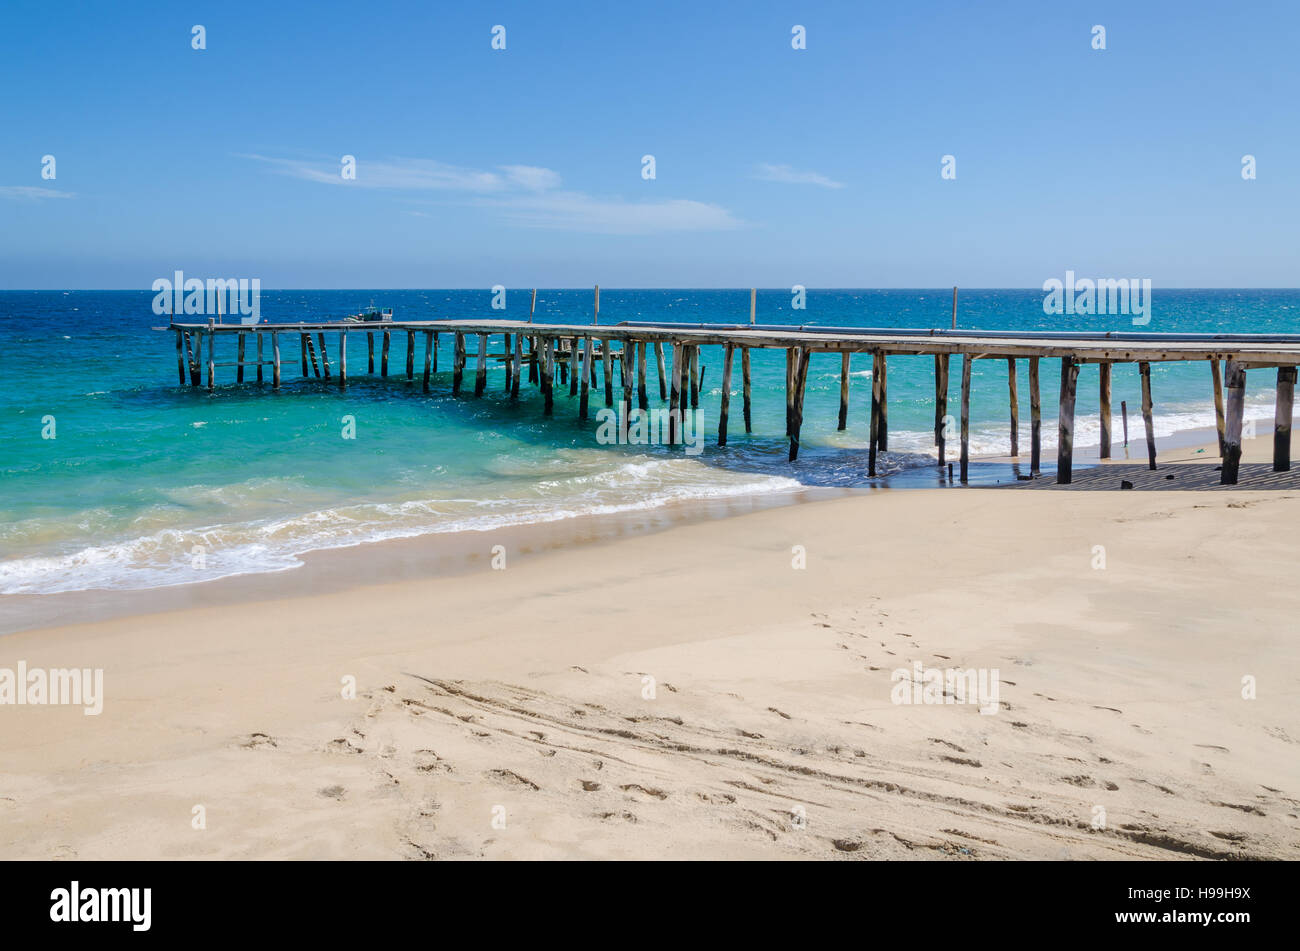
[343,359]
[966,365]
[1035,419]
[532,355]
[883,437]
[193,348]
[659,362]
[1065,422]
[480,367]
[180,355]
[941,404]
[1218,401]
[1144,369]
[383,356]
[744,394]
[674,384]
[370,352]
[575,367]
[1014,396]
[302,344]
[629,376]
[275,352]
[508,361]
[789,389]
[548,375]
[585,386]
[606,362]
[726,394]
[457,362]
[428,358]
[212,360]
[695,376]
[642,399]
[844,391]
[1286,377]
[1235,382]
[324,357]
[800,379]
[410,354]
[516,367]
[874,428]
[239,357]
[258,335]
[1104,400]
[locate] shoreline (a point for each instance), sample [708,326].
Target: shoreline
[443,554]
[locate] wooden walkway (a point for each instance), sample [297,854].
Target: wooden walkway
[582,356]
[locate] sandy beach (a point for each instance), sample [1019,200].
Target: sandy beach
[693,692]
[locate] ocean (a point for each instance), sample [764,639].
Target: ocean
[148,483]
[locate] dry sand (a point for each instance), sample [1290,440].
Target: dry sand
[504,713]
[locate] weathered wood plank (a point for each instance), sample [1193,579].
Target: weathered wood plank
[1235,382]
[1216,376]
[1144,370]
[1103,383]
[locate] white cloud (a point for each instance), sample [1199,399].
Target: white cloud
[792,176]
[526,195]
[32,192]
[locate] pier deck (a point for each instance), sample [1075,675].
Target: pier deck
[583,356]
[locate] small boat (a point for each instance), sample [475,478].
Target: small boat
[371,314]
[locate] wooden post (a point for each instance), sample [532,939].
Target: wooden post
[311,352]
[1104,399]
[531,308]
[383,356]
[744,387]
[1065,422]
[1218,400]
[212,360]
[883,436]
[1235,382]
[789,389]
[874,430]
[480,367]
[1282,419]
[548,375]
[941,403]
[967,360]
[575,366]
[606,361]
[844,391]
[642,400]
[674,383]
[1014,394]
[410,354]
[180,355]
[532,359]
[561,365]
[516,366]
[239,357]
[1035,419]
[435,351]
[800,378]
[726,395]
[1145,370]
[508,361]
[428,358]
[194,353]
[595,319]
[629,376]
[457,362]
[343,359]
[586,378]
[324,357]
[258,334]
[695,376]
[370,351]
[275,370]
[954,308]
[753,306]
[659,362]
[302,343]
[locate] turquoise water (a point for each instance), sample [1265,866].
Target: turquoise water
[150,483]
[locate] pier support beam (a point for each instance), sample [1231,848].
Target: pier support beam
[1014,396]
[726,394]
[1065,422]
[883,438]
[383,356]
[275,351]
[428,358]
[629,376]
[480,366]
[1282,419]
[584,388]
[606,364]
[343,359]
[239,357]
[659,362]
[370,352]
[695,376]
[1235,381]
[789,389]
[548,375]
[180,355]
[457,363]
[1104,399]
[575,366]
[744,390]
[1035,420]
[1144,369]
[324,357]
[642,400]
[874,429]
[516,366]
[800,378]
[941,404]
[1217,377]
[302,344]
[193,351]
[410,354]
[674,389]
[311,352]
[259,356]
[844,389]
[212,360]
[966,360]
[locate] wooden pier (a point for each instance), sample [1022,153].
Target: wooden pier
[583,356]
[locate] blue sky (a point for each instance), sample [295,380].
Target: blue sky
[774,166]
